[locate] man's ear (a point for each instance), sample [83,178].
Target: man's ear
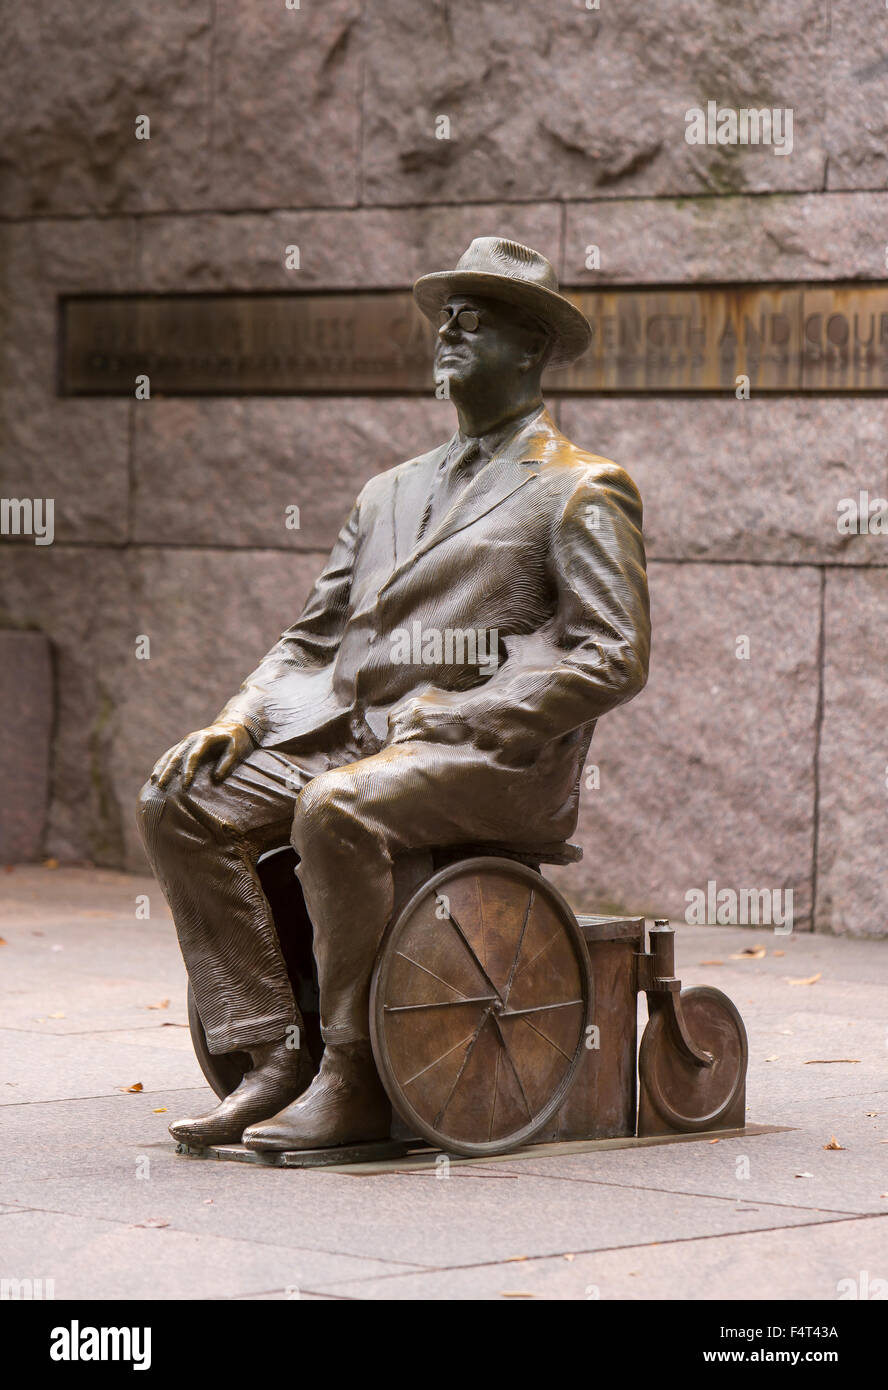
[537,353]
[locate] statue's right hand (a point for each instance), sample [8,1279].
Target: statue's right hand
[232,740]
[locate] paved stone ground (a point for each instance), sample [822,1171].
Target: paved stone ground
[93,1195]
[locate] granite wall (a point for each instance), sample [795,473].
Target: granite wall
[315,126]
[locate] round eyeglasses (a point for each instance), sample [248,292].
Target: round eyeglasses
[466,318]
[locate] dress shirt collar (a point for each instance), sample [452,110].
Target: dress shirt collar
[494,440]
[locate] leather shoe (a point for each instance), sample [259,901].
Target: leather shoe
[345,1104]
[279,1073]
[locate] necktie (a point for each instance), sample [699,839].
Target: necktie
[453,474]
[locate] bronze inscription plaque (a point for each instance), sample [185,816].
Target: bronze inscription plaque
[800,337]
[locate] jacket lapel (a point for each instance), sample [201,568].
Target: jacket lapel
[505,472]
[409,496]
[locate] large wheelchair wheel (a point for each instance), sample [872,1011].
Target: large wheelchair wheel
[479,1007]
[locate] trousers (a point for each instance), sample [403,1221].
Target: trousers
[346,821]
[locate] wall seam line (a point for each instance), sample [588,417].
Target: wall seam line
[818,731]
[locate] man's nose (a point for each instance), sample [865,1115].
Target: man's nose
[449,330]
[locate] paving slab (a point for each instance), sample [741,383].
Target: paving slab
[56,1068]
[118,1164]
[774,1265]
[852,1180]
[88,1257]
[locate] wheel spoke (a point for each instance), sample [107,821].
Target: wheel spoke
[550,1041]
[465,941]
[553,937]
[422,1071]
[507,991]
[469,1050]
[499,1033]
[439,1004]
[540,1008]
[441,981]
[495,1093]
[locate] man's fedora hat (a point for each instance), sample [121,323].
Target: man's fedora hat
[507,270]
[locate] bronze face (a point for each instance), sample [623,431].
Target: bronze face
[491,355]
[484,340]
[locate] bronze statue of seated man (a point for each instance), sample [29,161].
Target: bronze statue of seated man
[483,605]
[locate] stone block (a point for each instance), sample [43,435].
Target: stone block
[73,451]
[857,139]
[758,480]
[75,78]
[709,773]
[26,708]
[852,874]
[78,598]
[339,248]
[591,103]
[286,110]
[691,240]
[223,472]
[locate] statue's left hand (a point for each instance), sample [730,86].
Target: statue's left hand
[227,737]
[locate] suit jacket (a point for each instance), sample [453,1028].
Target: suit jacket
[545,547]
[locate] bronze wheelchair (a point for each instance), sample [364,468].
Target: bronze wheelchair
[499,1017]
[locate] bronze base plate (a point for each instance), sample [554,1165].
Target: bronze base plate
[382,1149]
[392,1156]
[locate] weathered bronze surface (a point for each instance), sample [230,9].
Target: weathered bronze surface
[430,710]
[480,1004]
[800,337]
[693,1055]
[601,1102]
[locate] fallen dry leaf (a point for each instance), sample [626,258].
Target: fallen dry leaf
[3,941]
[778,953]
[834,1144]
[570,1257]
[871,1114]
[50,863]
[808,980]
[712,962]
[713,1141]
[154,1222]
[824,1061]
[161,1110]
[56,1015]
[750,953]
[804,1175]
[515,1259]
[775,1058]
[136,1086]
[164,1004]
[515,1293]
